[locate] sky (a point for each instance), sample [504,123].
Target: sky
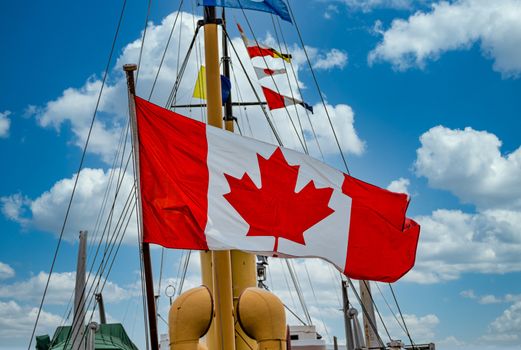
[424,97]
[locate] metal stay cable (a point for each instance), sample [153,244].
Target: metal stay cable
[316,300]
[302,143]
[401,315]
[390,308]
[239,97]
[69,308]
[286,48]
[121,234]
[318,88]
[365,312]
[173,93]
[377,311]
[143,41]
[270,122]
[298,289]
[80,167]
[165,50]
[99,273]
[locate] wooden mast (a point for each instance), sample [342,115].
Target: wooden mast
[145,249]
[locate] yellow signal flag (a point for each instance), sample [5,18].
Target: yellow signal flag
[200,84]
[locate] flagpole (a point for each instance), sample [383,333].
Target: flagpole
[145,249]
[244,269]
[224,330]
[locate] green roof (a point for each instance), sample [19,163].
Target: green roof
[108,337]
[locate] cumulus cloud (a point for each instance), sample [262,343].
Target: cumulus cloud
[469,164]
[6,271]
[369,5]
[17,322]
[401,186]
[46,213]
[5,123]
[506,329]
[490,298]
[75,106]
[451,26]
[61,287]
[453,242]
[332,59]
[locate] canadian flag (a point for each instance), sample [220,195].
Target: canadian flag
[206,188]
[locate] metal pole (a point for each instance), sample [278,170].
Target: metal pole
[243,264]
[101,307]
[347,319]
[224,336]
[78,326]
[147,264]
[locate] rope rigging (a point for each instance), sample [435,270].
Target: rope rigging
[80,167]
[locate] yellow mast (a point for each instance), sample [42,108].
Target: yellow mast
[227,273]
[222,336]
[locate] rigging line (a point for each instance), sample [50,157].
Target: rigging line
[298,290]
[86,305]
[316,300]
[290,85]
[401,315]
[287,307]
[185,269]
[164,52]
[121,234]
[98,247]
[160,272]
[390,309]
[287,284]
[244,340]
[68,309]
[273,79]
[318,88]
[175,89]
[181,260]
[238,127]
[377,311]
[270,122]
[77,176]
[143,41]
[299,89]
[366,313]
[239,97]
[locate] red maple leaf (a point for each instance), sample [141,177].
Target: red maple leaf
[275,209]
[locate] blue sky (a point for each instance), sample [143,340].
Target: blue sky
[424,95]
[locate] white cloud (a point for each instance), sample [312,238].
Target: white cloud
[369,5]
[453,242]
[332,59]
[455,25]
[469,164]
[6,271]
[330,11]
[47,212]
[401,186]
[506,329]
[5,124]
[17,322]
[489,298]
[61,287]
[422,328]
[76,105]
